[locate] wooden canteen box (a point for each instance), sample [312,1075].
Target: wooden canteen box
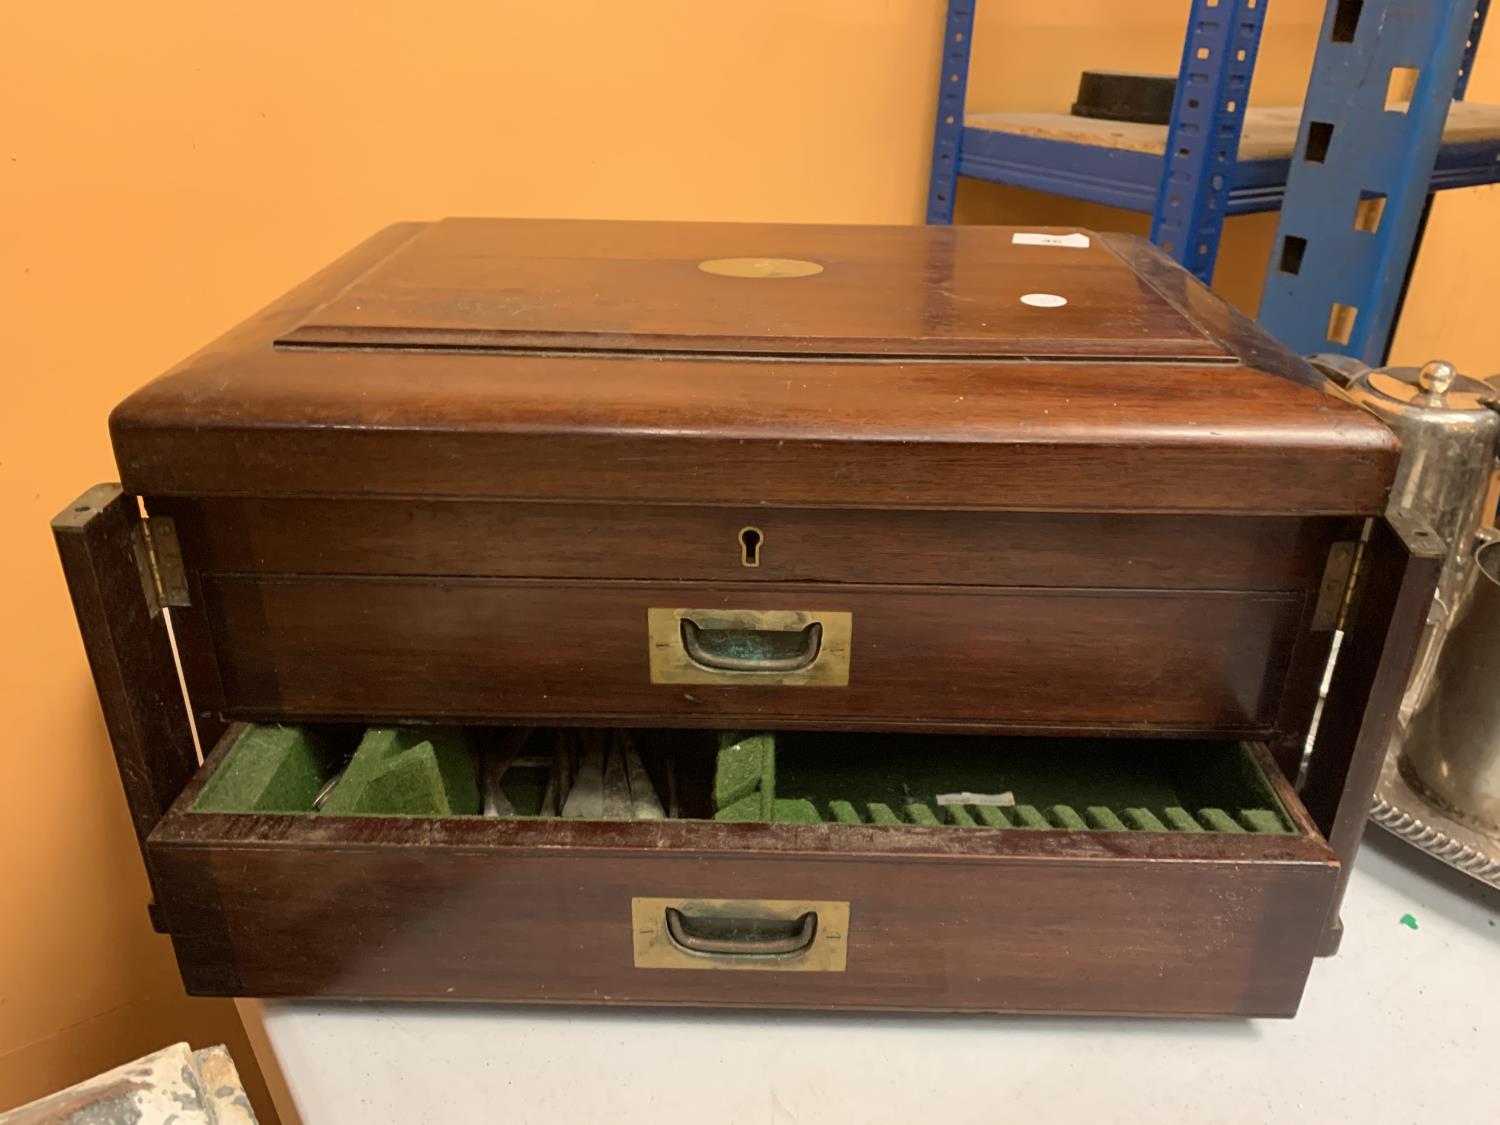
[906,497]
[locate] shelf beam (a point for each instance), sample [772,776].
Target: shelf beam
[1126,178]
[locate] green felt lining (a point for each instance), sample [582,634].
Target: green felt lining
[393,771]
[407,771]
[1075,785]
[788,777]
[745,776]
[274,769]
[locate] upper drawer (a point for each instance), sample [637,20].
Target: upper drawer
[744,544]
[833,655]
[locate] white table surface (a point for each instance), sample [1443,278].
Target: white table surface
[1402,1026]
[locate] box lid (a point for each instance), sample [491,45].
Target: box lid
[978,367]
[754,290]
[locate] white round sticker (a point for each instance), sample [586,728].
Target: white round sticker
[1043,300]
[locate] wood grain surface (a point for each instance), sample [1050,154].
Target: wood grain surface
[482,450]
[637,287]
[1130,660]
[539,911]
[1398,580]
[683,543]
[1258,433]
[128,650]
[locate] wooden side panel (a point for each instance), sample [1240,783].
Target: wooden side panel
[128,650]
[1399,574]
[536,540]
[302,648]
[1029,934]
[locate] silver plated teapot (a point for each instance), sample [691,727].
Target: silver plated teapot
[1449,426]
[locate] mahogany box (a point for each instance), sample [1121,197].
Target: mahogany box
[944,490]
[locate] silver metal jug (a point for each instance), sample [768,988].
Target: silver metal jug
[1449,426]
[1451,753]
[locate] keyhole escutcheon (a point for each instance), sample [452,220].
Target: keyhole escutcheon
[751,541]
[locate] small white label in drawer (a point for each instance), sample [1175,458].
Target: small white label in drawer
[993,800]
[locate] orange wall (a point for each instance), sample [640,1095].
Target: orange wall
[166,168]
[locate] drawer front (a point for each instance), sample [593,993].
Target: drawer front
[423,648]
[1041,921]
[687,543]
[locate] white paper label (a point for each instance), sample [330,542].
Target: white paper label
[1043,300]
[993,800]
[1026,238]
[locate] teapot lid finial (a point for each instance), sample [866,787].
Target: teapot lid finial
[1436,377]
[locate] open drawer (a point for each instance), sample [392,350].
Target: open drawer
[928,915]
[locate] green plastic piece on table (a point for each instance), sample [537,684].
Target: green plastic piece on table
[843,812]
[958,815]
[1103,819]
[1065,817]
[992,816]
[881,814]
[1178,820]
[1217,820]
[407,771]
[271,769]
[795,811]
[1028,816]
[1142,820]
[921,814]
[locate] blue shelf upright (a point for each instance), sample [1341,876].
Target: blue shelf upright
[947,134]
[1471,48]
[1361,172]
[1203,140]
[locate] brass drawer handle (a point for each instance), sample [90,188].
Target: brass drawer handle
[742,937]
[724,650]
[764,935]
[749,649]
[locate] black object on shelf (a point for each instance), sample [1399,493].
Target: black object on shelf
[1116,95]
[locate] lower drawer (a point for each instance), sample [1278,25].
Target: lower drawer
[822,915]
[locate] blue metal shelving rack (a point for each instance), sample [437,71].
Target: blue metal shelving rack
[1203,139]
[1358,191]
[1198,179]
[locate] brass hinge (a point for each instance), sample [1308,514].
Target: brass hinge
[159,560]
[1337,585]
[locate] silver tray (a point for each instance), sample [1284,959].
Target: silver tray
[1405,813]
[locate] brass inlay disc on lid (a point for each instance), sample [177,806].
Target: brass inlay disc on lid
[760,267]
